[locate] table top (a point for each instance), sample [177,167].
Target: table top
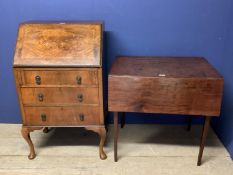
[177,67]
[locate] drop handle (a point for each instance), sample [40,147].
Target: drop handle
[79,80]
[81,117]
[38,80]
[80,97]
[43,117]
[40,97]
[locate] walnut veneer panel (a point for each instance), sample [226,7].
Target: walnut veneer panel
[59,44]
[60,96]
[60,77]
[64,116]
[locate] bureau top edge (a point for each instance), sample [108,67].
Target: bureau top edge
[56,66]
[63,22]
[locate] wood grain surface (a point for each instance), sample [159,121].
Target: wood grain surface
[62,116]
[60,77]
[57,95]
[59,44]
[176,67]
[190,86]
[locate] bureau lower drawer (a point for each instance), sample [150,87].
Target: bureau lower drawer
[55,116]
[64,95]
[60,77]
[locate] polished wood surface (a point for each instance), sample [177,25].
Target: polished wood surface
[59,96]
[58,74]
[59,44]
[165,95]
[169,85]
[169,67]
[188,93]
[60,77]
[78,115]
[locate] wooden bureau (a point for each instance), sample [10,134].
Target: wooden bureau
[168,85]
[58,74]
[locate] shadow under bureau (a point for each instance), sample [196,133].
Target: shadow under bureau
[58,74]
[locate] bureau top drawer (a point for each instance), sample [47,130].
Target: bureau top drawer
[59,77]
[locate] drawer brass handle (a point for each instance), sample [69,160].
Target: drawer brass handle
[38,80]
[40,97]
[79,79]
[43,117]
[80,97]
[81,117]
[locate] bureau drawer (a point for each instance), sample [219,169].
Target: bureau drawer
[63,95]
[60,77]
[51,116]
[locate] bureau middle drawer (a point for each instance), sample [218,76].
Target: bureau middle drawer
[59,95]
[51,116]
[60,77]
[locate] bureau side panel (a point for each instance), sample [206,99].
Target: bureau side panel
[191,96]
[18,82]
[101,104]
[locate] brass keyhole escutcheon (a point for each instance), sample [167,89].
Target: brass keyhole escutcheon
[38,80]
[43,117]
[79,80]
[40,97]
[80,97]
[81,117]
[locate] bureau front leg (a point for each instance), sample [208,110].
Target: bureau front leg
[25,131]
[102,134]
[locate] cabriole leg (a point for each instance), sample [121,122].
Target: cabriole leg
[102,134]
[26,135]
